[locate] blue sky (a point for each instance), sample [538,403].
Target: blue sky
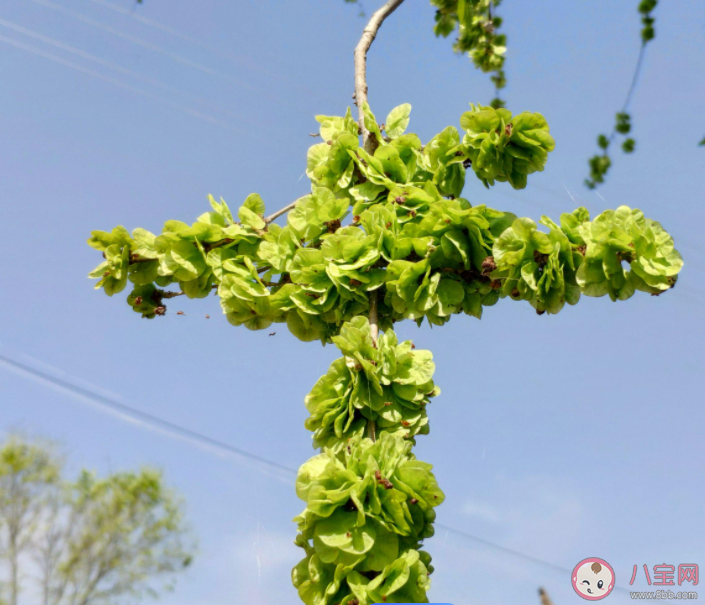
[561,437]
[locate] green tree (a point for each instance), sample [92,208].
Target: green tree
[385,235]
[28,473]
[89,541]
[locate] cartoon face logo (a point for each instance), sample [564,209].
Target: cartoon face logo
[593,579]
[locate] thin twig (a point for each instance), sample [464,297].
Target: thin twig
[284,210]
[224,242]
[635,77]
[632,86]
[368,37]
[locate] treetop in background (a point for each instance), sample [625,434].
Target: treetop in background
[88,541]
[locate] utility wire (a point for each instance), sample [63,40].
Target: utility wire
[197,42]
[157,49]
[132,412]
[504,549]
[112,405]
[114,82]
[115,67]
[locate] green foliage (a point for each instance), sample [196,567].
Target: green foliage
[25,464]
[314,274]
[388,383]
[386,232]
[367,509]
[477,35]
[128,529]
[505,148]
[626,252]
[648,32]
[97,540]
[617,253]
[28,472]
[412,238]
[623,124]
[600,163]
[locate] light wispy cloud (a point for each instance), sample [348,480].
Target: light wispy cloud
[482,510]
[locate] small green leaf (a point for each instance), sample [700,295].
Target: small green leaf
[254,202]
[398,120]
[250,219]
[371,122]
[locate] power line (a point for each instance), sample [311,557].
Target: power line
[504,549]
[134,413]
[114,82]
[155,48]
[110,65]
[197,42]
[114,406]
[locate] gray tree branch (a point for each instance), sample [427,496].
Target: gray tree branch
[278,213]
[368,37]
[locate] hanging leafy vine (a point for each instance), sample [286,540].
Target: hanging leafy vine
[385,235]
[478,26]
[601,162]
